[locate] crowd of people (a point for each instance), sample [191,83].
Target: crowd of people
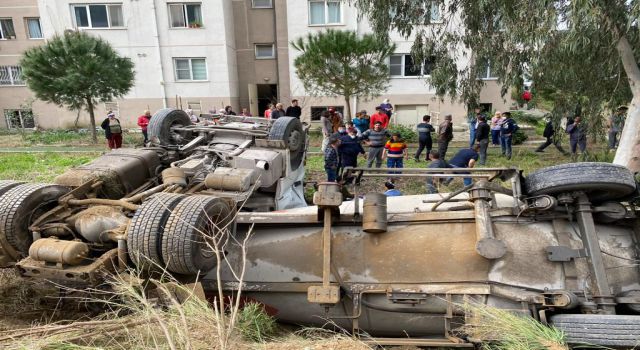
[344,141]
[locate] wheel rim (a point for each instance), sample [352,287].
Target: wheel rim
[295,140]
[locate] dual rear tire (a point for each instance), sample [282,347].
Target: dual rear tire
[177,233]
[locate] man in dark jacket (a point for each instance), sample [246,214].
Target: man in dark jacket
[349,149]
[550,134]
[294,110]
[445,135]
[482,137]
[577,137]
[424,137]
[436,162]
[506,133]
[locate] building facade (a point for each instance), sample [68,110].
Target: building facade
[204,55]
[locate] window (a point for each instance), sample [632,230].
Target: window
[11,75]
[265,51]
[98,16]
[19,118]
[485,69]
[6,29]
[261,4]
[33,28]
[325,12]
[316,111]
[403,66]
[434,12]
[190,68]
[185,15]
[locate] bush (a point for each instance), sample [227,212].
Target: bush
[255,324]
[519,137]
[408,134]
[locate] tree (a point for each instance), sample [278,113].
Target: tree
[337,62]
[77,70]
[584,47]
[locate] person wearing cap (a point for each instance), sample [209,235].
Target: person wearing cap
[361,121]
[445,135]
[379,116]
[112,131]
[143,123]
[294,110]
[376,138]
[615,124]
[395,150]
[391,191]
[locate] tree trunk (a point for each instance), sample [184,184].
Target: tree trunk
[94,136]
[347,116]
[628,153]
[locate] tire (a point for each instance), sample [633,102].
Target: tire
[146,228]
[601,181]
[602,330]
[6,185]
[159,129]
[185,250]
[289,129]
[19,207]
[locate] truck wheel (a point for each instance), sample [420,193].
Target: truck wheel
[160,124]
[602,330]
[6,185]
[19,208]
[289,129]
[193,222]
[601,181]
[146,229]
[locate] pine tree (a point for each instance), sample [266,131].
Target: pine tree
[335,62]
[77,70]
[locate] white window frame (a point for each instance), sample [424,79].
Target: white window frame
[3,36]
[402,68]
[26,22]
[190,59]
[106,5]
[23,114]
[12,78]
[439,19]
[487,72]
[273,51]
[326,13]
[184,12]
[253,5]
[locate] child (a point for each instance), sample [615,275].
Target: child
[395,151]
[331,159]
[391,189]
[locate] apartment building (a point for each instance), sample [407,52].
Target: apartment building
[204,55]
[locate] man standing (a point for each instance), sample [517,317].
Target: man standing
[349,149]
[143,123]
[424,137]
[445,135]
[472,119]
[379,116]
[482,136]
[506,134]
[278,111]
[376,139]
[294,110]
[577,138]
[465,158]
[550,134]
[615,125]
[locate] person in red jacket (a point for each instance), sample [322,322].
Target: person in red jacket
[143,122]
[379,116]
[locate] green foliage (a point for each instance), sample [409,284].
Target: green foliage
[335,62]
[518,37]
[519,137]
[408,134]
[255,324]
[39,167]
[54,137]
[77,70]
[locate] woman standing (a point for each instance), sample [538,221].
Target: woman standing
[496,125]
[112,131]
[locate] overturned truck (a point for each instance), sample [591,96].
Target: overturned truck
[559,245]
